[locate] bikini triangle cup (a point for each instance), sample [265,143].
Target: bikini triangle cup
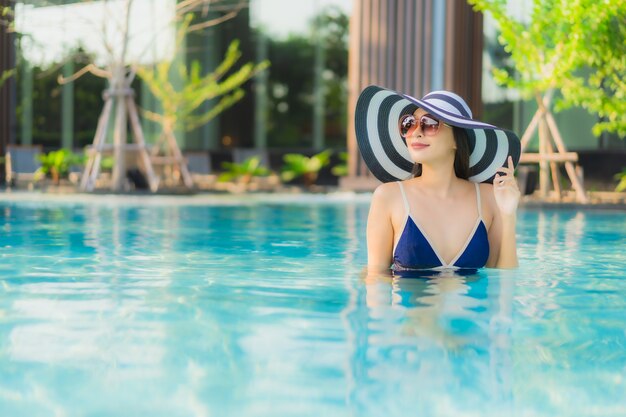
[415,251]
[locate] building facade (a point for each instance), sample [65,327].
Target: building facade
[7,90]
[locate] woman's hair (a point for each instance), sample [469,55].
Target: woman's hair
[461,156]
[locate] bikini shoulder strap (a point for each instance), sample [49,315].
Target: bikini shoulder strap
[480,212]
[406,201]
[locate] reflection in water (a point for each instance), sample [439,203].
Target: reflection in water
[419,339]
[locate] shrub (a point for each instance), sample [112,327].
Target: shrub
[297,165]
[244,171]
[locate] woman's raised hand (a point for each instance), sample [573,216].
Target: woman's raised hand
[505,189]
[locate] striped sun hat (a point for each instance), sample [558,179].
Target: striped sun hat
[378,111]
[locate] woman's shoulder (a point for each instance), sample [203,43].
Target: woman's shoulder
[387,189]
[388,192]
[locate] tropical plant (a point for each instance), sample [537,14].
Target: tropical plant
[621,177]
[180,104]
[244,171]
[341,170]
[297,165]
[57,164]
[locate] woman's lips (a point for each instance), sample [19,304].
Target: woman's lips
[417,145]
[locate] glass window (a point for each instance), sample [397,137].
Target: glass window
[305,87]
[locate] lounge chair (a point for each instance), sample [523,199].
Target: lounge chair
[21,164]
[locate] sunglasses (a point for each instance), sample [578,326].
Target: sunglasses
[429,125]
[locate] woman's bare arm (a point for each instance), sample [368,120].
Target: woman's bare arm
[502,237]
[380,230]
[503,242]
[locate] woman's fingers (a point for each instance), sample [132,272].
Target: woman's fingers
[509,169]
[505,180]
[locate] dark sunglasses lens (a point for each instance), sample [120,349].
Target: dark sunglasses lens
[407,123]
[429,125]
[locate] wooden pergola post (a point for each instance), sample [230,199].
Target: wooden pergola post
[549,134]
[123,100]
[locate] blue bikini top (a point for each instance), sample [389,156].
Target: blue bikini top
[414,250]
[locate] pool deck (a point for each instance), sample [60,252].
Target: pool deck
[598,200]
[196,199]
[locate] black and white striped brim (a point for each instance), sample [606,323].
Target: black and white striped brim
[385,152]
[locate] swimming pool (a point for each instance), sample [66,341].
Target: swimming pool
[257,307]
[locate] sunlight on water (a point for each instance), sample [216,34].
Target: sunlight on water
[263,310]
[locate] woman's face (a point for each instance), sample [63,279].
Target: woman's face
[428,147]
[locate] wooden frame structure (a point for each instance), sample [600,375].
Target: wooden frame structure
[173,162]
[124,102]
[547,158]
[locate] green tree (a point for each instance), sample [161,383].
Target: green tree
[119,70]
[180,105]
[576,47]
[599,81]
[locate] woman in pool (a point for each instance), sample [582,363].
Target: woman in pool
[449,197]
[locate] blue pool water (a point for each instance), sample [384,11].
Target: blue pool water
[258,307]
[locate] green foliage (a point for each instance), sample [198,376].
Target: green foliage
[180,105]
[621,177]
[600,87]
[341,170]
[244,171]
[578,47]
[107,162]
[5,75]
[6,17]
[56,164]
[297,165]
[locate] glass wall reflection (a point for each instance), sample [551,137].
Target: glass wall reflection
[298,103]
